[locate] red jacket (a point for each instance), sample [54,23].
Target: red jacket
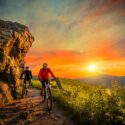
[44,73]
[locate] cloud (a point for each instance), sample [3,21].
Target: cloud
[2,3]
[70,25]
[64,57]
[70,32]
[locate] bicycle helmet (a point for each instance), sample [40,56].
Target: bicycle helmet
[27,67]
[45,64]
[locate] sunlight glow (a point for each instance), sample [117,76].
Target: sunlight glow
[92,67]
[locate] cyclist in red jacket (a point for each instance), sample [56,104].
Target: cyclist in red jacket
[44,75]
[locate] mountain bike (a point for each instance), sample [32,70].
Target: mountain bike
[47,96]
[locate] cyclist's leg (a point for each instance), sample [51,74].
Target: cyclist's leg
[43,89]
[26,85]
[47,82]
[29,83]
[43,86]
[24,81]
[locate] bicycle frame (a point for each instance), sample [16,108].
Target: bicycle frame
[47,96]
[46,87]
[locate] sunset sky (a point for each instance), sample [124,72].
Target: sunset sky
[70,35]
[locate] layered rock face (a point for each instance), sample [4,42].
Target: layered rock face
[15,42]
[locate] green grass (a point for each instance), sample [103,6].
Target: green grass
[90,104]
[36,83]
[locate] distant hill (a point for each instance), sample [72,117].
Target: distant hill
[105,80]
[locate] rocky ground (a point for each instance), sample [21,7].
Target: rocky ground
[31,110]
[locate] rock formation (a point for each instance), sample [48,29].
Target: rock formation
[15,41]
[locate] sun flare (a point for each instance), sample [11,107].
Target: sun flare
[92,67]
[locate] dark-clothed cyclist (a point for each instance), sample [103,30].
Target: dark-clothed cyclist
[27,75]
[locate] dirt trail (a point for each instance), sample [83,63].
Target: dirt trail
[31,111]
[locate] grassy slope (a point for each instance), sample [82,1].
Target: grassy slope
[89,104]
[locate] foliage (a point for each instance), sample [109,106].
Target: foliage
[90,104]
[36,83]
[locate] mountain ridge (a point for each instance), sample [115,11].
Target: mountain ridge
[105,80]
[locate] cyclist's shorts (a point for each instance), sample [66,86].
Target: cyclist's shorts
[45,81]
[27,81]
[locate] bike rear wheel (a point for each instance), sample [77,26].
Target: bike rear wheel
[49,99]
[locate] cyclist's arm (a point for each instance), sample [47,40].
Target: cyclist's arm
[52,74]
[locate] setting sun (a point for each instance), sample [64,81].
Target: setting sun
[92,67]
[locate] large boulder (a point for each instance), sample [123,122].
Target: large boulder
[15,42]
[5,93]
